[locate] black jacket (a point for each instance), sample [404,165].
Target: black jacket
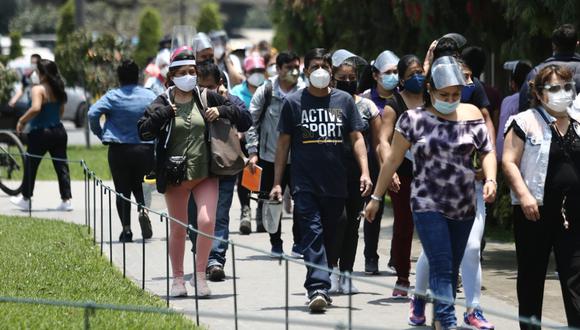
[157,121]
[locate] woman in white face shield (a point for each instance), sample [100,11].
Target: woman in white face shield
[541,161]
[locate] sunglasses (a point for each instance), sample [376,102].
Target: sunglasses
[556,88]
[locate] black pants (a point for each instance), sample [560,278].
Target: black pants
[534,243]
[129,163]
[347,232]
[266,186]
[372,229]
[243,193]
[40,141]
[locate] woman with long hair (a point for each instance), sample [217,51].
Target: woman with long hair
[46,134]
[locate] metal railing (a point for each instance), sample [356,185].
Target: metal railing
[92,181]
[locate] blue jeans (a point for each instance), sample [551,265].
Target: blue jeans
[217,255]
[444,242]
[318,218]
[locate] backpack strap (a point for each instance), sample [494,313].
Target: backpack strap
[203,99]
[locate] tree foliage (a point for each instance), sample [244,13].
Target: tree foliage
[209,17]
[38,18]
[149,35]
[66,23]
[7,80]
[15,46]
[8,8]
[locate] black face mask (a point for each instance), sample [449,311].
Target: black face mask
[347,86]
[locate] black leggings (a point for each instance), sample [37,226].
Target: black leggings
[129,163]
[534,243]
[52,140]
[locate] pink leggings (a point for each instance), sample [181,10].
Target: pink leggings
[205,193]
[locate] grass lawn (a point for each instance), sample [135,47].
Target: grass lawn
[96,159]
[55,260]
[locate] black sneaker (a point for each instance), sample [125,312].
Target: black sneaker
[215,273]
[145,223]
[371,266]
[318,302]
[277,251]
[245,224]
[126,236]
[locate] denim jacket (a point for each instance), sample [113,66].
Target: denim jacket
[536,154]
[122,108]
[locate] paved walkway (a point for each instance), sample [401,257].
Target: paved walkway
[260,279]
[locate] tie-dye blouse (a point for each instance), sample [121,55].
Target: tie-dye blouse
[444,176]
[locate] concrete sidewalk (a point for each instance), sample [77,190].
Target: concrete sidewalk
[261,280]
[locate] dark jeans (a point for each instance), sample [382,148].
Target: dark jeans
[444,242]
[217,255]
[318,218]
[40,141]
[402,229]
[265,186]
[372,229]
[129,163]
[534,243]
[347,234]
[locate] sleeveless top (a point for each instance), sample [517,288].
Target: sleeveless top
[49,116]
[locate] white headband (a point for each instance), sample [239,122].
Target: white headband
[181,62]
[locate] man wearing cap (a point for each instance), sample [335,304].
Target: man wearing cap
[262,137]
[313,123]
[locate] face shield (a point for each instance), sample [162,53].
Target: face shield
[341,55]
[183,36]
[386,60]
[201,41]
[446,72]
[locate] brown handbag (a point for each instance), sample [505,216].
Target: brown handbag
[226,153]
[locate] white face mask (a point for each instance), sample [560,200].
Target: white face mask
[272,70]
[559,101]
[319,78]
[218,52]
[256,79]
[34,78]
[164,71]
[185,83]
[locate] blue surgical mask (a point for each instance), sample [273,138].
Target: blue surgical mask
[415,83]
[467,92]
[389,81]
[445,107]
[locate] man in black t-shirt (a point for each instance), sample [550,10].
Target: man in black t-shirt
[313,124]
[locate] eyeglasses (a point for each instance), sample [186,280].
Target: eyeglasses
[557,87]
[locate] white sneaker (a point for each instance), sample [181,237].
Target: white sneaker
[178,288]
[334,281]
[21,202]
[65,205]
[347,287]
[203,290]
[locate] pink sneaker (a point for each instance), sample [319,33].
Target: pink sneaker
[401,289]
[477,320]
[417,312]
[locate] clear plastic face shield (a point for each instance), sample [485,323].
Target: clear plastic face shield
[183,35]
[202,47]
[341,55]
[385,61]
[446,72]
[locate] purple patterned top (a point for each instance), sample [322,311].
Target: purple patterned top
[444,176]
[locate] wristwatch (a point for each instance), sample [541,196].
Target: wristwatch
[492,181]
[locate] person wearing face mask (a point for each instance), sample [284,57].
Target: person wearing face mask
[28,80]
[46,134]
[205,53]
[541,160]
[178,122]
[345,77]
[130,159]
[255,70]
[209,76]
[157,83]
[262,137]
[314,122]
[442,137]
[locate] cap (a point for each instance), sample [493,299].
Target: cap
[385,60]
[182,56]
[341,55]
[446,72]
[201,41]
[458,38]
[254,62]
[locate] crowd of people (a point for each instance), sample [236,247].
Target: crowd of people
[339,132]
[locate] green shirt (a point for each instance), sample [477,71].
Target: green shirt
[188,139]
